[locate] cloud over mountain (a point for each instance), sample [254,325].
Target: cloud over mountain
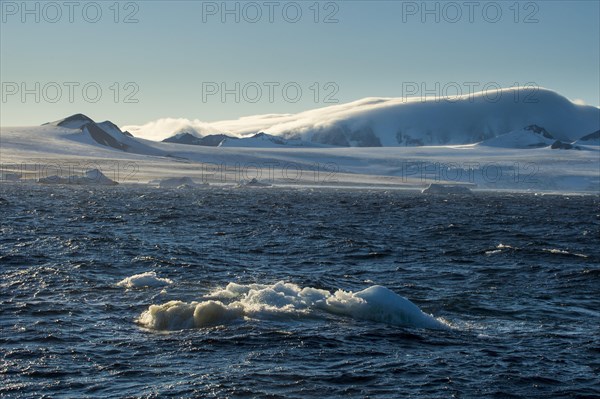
[404,122]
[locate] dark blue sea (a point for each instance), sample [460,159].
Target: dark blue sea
[297,293]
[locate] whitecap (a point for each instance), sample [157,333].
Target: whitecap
[148,279]
[563,252]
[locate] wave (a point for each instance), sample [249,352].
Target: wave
[501,248]
[148,279]
[238,301]
[563,252]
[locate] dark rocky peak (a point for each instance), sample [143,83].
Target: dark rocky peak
[540,130]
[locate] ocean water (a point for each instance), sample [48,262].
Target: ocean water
[290,293]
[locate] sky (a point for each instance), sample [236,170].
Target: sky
[132,62]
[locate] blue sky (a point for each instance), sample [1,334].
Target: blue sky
[172,59]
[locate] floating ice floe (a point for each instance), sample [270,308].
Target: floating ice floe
[148,279]
[236,301]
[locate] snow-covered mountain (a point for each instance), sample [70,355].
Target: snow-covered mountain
[374,122]
[104,133]
[525,159]
[261,140]
[76,121]
[552,144]
[528,137]
[265,140]
[193,138]
[532,137]
[590,139]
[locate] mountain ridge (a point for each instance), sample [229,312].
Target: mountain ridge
[373,122]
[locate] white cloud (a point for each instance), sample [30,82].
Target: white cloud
[162,128]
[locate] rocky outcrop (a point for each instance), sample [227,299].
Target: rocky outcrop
[76,121]
[591,137]
[101,136]
[213,140]
[559,145]
[539,130]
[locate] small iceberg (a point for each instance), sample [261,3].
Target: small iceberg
[143,280]
[447,189]
[380,304]
[179,182]
[92,177]
[284,300]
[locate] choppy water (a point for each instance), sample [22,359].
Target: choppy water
[517,277]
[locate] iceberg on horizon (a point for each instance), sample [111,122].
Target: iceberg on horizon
[90,178]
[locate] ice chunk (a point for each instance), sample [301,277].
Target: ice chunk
[148,279]
[376,303]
